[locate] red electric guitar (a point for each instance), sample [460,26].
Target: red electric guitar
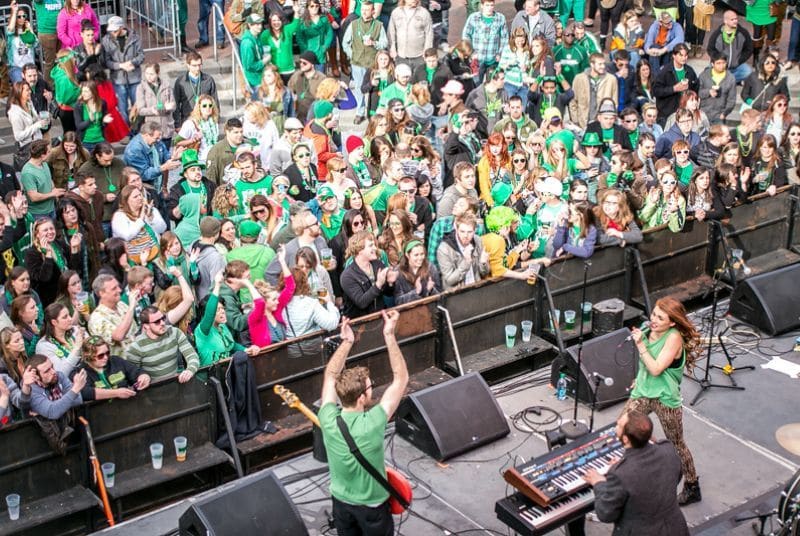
[396,479]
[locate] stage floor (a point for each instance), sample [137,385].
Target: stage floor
[730,433]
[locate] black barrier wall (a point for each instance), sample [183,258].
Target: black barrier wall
[124,428]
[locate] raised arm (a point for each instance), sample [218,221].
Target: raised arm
[394,393]
[187,297]
[336,364]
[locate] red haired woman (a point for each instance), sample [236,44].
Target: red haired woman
[494,165]
[670,345]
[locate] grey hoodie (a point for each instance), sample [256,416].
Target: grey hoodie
[209,263]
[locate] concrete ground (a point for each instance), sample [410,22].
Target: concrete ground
[730,434]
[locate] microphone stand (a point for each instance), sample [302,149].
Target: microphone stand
[574,429]
[594,402]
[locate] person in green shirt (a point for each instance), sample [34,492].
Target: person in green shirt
[279,38]
[37,183]
[356,495]
[65,87]
[91,115]
[572,57]
[670,345]
[331,215]
[255,56]
[399,89]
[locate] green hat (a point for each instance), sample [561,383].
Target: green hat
[249,228]
[591,139]
[325,192]
[501,191]
[322,108]
[500,217]
[189,160]
[28,38]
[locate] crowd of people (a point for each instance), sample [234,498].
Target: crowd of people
[519,144]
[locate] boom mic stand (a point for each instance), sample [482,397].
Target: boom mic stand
[574,429]
[705,383]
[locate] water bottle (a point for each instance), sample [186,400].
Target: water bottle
[561,387]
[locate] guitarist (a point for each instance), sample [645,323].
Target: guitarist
[360,503]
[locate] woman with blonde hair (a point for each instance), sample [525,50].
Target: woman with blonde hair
[515,60]
[12,348]
[420,109]
[628,35]
[276,97]
[176,302]
[664,205]
[225,203]
[201,130]
[459,61]
[138,224]
[377,78]
[259,130]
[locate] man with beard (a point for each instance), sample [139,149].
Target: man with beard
[304,83]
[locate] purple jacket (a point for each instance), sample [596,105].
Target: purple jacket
[68,27]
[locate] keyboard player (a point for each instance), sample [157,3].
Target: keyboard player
[638,493]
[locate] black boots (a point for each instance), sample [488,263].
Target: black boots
[690,494]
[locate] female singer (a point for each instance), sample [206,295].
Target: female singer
[671,345]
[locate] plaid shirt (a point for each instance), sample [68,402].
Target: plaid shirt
[488,39]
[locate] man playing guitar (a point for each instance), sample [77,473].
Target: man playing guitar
[360,503]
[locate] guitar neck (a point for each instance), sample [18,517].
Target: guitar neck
[310,415]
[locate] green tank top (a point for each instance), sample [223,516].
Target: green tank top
[666,387]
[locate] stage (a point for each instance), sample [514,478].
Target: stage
[731,434]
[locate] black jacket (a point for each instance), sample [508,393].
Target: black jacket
[361,296]
[436,15]
[244,406]
[666,97]
[534,109]
[705,154]
[181,189]
[298,190]
[638,495]
[185,93]
[454,152]
[119,373]
[372,93]
[440,77]
[45,272]
[620,135]
[82,124]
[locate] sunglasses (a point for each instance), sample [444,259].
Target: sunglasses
[398,109]
[416,149]
[794,133]
[207,105]
[770,63]
[303,155]
[358,223]
[780,105]
[669,182]
[682,151]
[282,187]
[22,16]
[259,211]
[98,355]
[159,320]
[520,160]
[631,121]
[409,192]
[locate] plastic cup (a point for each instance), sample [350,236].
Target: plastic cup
[586,307]
[527,327]
[555,318]
[180,448]
[157,455]
[12,501]
[511,334]
[569,319]
[326,255]
[109,472]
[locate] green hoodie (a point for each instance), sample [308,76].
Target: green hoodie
[66,92]
[316,37]
[257,257]
[253,60]
[214,343]
[188,229]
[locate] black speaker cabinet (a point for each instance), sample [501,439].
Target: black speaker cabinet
[769,301]
[255,504]
[451,418]
[609,355]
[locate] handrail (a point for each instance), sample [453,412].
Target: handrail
[453,340]
[235,59]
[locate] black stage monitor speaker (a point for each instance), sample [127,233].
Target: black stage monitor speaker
[769,301]
[451,418]
[255,504]
[611,356]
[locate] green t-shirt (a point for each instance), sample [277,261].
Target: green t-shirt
[680,74]
[350,482]
[545,220]
[665,387]
[429,74]
[684,173]
[357,8]
[39,179]
[47,15]
[246,190]
[94,132]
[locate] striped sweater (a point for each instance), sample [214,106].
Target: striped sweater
[158,357]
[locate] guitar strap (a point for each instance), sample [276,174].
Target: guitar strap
[374,473]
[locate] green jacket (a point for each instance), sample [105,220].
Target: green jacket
[316,37]
[66,92]
[252,53]
[257,257]
[281,51]
[655,213]
[214,343]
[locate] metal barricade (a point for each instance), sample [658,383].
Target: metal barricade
[156,22]
[105,9]
[5,14]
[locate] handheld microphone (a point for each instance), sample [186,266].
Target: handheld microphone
[645,327]
[607,380]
